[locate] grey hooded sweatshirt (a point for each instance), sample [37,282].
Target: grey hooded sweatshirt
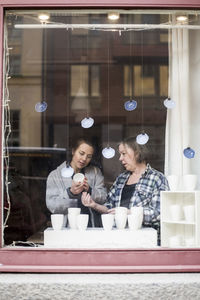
[58,195]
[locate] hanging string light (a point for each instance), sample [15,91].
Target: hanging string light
[88,121]
[131,104]
[7,129]
[108,152]
[67,171]
[142,138]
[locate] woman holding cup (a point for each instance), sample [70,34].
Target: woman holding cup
[139,185]
[64,192]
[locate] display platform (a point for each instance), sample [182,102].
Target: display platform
[98,238]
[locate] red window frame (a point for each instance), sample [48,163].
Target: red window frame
[90,261]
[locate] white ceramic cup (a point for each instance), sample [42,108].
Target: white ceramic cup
[190,182]
[57,221]
[176,212]
[107,221]
[121,210]
[173,181]
[189,242]
[175,240]
[78,177]
[82,221]
[135,218]
[65,221]
[72,221]
[74,211]
[120,220]
[189,213]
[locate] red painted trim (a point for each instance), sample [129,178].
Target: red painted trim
[91,261]
[103,3]
[99,261]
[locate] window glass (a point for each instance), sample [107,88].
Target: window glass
[78,64]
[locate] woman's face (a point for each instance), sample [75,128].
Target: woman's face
[82,156]
[127,157]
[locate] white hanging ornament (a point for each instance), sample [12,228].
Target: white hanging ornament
[87,122]
[142,138]
[67,171]
[41,106]
[108,152]
[169,103]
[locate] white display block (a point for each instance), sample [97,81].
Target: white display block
[177,230]
[98,238]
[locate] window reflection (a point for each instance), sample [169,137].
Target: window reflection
[68,69]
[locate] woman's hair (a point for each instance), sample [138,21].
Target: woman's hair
[141,151]
[80,141]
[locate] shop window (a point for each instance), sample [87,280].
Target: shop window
[87,65]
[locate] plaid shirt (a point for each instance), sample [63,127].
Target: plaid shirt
[146,194]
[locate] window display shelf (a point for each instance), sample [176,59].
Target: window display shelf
[180,222]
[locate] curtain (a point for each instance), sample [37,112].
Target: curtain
[181,131]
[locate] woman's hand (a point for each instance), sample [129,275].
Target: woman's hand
[111,211]
[86,185]
[87,200]
[77,187]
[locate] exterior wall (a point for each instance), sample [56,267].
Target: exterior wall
[107,286]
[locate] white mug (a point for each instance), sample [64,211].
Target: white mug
[121,210]
[74,211]
[175,240]
[176,212]
[72,221]
[189,213]
[78,177]
[120,220]
[135,218]
[65,221]
[82,221]
[173,181]
[189,181]
[57,221]
[107,221]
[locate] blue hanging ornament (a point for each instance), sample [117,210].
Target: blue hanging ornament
[189,152]
[130,105]
[41,106]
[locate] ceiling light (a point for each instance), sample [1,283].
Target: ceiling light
[43,17]
[181,18]
[113,16]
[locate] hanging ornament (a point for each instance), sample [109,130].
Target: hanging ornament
[189,152]
[108,152]
[142,138]
[67,171]
[130,105]
[41,106]
[87,122]
[169,103]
